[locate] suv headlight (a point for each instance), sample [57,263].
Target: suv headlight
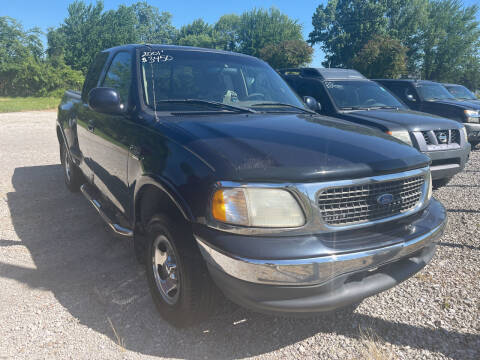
[473,116]
[401,135]
[463,130]
[257,207]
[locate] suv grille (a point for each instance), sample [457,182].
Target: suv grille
[360,203]
[440,137]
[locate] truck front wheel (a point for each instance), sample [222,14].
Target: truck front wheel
[73,176]
[179,282]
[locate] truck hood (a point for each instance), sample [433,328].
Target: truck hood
[470,101]
[459,103]
[409,120]
[291,147]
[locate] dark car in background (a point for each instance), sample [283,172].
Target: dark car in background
[462,93]
[434,98]
[348,95]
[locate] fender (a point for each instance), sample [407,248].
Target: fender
[163,185]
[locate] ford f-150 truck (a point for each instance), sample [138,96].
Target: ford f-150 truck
[348,95]
[222,175]
[433,98]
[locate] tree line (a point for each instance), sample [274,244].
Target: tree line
[432,39]
[429,39]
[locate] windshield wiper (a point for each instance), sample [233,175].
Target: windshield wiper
[354,108]
[283,104]
[384,107]
[208,102]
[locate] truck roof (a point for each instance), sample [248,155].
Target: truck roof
[173,47]
[324,73]
[408,80]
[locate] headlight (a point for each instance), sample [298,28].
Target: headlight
[257,207]
[402,136]
[463,130]
[472,116]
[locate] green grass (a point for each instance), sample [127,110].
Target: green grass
[13,104]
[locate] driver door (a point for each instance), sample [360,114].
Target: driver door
[110,145]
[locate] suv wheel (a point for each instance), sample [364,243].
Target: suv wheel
[73,176]
[179,282]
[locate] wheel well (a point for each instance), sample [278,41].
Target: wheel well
[152,200]
[59,135]
[60,141]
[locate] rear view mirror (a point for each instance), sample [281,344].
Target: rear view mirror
[105,100]
[410,97]
[311,103]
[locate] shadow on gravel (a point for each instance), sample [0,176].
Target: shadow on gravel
[460,246]
[96,278]
[462,186]
[466,211]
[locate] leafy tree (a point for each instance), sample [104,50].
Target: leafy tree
[470,72]
[17,44]
[451,37]
[290,53]
[381,57]
[89,29]
[343,27]
[153,26]
[198,33]
[259,28]
[226,31]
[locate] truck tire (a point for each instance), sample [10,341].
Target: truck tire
[180,285]
[73,175]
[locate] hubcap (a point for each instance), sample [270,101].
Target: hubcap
[165,269]
[68,168]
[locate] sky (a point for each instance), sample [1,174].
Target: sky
[45,14]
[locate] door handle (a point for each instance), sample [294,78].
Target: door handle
[91,126]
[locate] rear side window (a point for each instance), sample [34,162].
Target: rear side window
[119,75]
[399,90]
[93,74]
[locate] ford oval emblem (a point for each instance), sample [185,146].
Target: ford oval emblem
[385,199]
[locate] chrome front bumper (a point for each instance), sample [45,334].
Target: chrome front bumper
[314,271]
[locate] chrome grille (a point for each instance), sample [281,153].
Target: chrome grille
[455,136]
[441,137]
[359,203]
[426,137]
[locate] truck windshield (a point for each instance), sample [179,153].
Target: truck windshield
[461,92]
[433,92]
[356,94]
[183,80]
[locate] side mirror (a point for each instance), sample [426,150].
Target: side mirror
[311,103]
[105,100]
[410,97]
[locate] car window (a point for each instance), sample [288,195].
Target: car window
[93,74]
[461,92]
[215,77]
[433,92]
[119,75]
[360,94]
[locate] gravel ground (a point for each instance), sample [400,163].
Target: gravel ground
[71,290]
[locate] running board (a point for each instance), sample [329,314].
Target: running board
[117,229]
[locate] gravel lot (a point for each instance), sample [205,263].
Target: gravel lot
[68,289]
